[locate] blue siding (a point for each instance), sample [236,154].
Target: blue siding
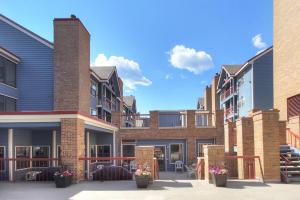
[8,91]
[170,167]
[245,92]
[34,72]
[263,81]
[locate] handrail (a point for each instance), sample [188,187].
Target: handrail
[107,158]
[286,163]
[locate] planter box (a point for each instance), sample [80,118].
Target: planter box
[62,182]
[219,180]
[142,181]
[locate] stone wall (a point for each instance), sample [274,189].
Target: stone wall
[229,137]
[144,156]
[213,157]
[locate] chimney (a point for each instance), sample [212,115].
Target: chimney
[71,65]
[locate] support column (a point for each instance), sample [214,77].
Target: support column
[73,145]
[114,146]
[10,154]
[88,153]
[266,144]
[213,157]
[54,155]
[245,146]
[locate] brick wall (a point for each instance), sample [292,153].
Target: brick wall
[245,144]
[266,143]
[73,146]
[207,98]
[229,136]
[215,99]
[286,53]
[71,65]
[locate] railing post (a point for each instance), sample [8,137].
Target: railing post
[10,154]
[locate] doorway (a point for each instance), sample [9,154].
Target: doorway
[160,155]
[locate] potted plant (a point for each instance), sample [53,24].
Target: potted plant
[142,176]
[63,179]
[219,176]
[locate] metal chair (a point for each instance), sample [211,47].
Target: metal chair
[132,166]
[179,165]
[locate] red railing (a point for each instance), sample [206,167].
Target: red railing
[248,163]
[29,169]
[227,93]
[293,139]
[228,111]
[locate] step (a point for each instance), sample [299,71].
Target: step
[294,179]
[290,167]
[285,147]
[292,162]
[293,172]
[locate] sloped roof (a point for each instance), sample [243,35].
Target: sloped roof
[129,100]
[232,69]
[104,72]
[26,31]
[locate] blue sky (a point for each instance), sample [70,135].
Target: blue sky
[167,51]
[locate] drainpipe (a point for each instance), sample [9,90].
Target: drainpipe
[10,154]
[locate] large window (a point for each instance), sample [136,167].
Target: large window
[40,152]
[7,104]
[202,120]
[100,151]
[2,155]
[128,150]
[7,72]
[23,152]
[176,152]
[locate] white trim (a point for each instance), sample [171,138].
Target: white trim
[8,95]
[10,153]
[4,156]
[53,149]
[15,88]
[9,56]
[183,156]
[26,31]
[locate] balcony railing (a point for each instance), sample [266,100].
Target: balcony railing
[227,93]
[135,120]
[172,120]
[107,103]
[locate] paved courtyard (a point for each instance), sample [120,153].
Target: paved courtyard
[161,190]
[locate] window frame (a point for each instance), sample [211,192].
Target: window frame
[183,157]
[49,153]
[5,97]
[4,156]
[94,91]
[5,60]
[30,156]
[96,153]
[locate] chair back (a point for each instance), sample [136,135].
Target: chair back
[178,164]
[132,165]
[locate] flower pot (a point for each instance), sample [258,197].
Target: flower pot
[63,181]
[219,180]
[142,181]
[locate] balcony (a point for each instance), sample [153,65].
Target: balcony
[107,103]
[172,119]
[229,112]
[203,119]
[135,121]
[227,93]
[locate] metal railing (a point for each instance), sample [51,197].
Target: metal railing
[284,172]
[293,139]
[135,121]
[172,120]
[29,169]
[227,93]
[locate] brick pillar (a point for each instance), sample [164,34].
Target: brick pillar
[245,144]
[219,124]
[154,119]
[266,144]
[190,118]
[282,132]
[213,156]
[191,150]
[73,146]
[229,137]
[144,156]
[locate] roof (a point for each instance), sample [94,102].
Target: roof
[129,100]
[104,72]
[26,31]
[232,69]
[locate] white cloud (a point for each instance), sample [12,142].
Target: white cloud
[258,42]
[128,70]
[190,59]
[168,76]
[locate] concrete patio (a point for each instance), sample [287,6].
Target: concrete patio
[179,188]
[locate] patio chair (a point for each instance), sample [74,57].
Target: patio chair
[179,165]
[191,172]
[132,166]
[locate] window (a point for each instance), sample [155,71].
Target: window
[201,120]
[7,104]
[93,88]
[93,112]
[7,72]
[175,152]
[40,152]
[22,152]
[2,155]
[100,151]
[128,150]
[293,106]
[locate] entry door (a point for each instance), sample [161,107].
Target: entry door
[160,155]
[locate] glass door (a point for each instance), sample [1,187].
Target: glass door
[160,155]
